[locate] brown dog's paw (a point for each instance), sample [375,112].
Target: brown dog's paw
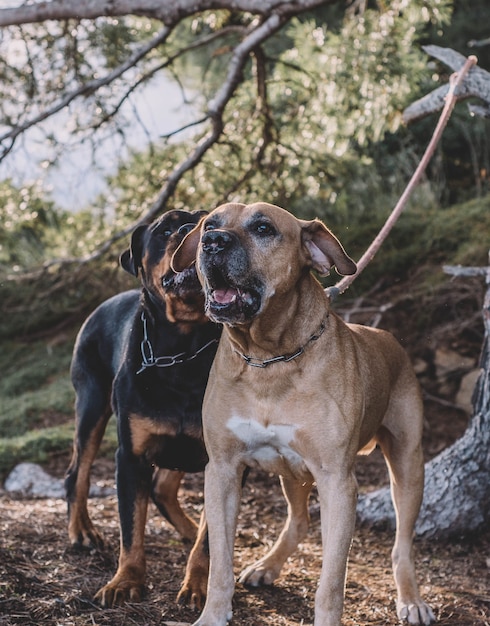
[415,613]
[119,591]
[194,589]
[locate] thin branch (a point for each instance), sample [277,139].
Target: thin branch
[86,89]
[262,110]
[198,43]
[456,81]
[214,114]
[460,270]
[217,106]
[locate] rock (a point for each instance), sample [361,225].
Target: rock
[448,361]
[420,367]
[31,481]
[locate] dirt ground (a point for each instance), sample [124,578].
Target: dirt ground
[44,581]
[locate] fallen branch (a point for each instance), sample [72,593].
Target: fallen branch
[455,82]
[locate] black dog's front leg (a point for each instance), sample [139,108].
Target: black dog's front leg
[133,477]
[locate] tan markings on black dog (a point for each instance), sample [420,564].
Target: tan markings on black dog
[128,582]
[166,485]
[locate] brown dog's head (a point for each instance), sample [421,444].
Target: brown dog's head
[149,255]
[246,254]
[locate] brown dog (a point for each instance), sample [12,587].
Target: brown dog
[296,391]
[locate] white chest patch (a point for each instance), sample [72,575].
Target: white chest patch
[269,447]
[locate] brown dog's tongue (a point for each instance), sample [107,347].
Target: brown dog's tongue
[225,296]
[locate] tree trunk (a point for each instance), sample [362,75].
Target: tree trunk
[457,481]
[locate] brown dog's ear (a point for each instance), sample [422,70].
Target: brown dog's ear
[185,255]
[325,249]
[131,260]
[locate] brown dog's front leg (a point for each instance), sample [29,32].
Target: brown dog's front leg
[337,493]
[222,492]
[406,462]
[193,590]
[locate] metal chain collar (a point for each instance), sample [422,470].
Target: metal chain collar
[149,359]
[284,358]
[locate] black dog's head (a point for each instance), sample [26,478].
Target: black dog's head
[149,255]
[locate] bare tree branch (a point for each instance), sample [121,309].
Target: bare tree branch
[84,90]
[144,78]
[263,110]
[476,84]
[168,12]
[216,107]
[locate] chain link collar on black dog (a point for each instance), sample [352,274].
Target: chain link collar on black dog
[284,358]
[149,359]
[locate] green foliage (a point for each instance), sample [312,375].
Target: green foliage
[27,222]
[36,446]
[34,385]
[36,400]
[424,239]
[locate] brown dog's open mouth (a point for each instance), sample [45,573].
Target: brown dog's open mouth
[229,295]
[228,303]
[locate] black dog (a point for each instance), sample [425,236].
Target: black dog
[144,355]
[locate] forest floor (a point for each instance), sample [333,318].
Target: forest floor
[44,581]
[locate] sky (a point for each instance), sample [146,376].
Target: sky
[75,181]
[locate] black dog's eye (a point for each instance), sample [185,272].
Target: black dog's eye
[166,233]
[186,228]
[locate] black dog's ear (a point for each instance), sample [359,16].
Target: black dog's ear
[131,259]
[200,213]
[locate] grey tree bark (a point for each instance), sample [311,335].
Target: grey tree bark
[457,481]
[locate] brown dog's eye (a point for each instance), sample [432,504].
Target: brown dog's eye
[264,229]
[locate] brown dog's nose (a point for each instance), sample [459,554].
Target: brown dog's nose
[215,241]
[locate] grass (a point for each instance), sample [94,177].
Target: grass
[36,399]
